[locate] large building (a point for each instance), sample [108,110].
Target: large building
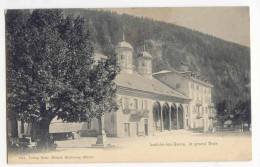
[148,103]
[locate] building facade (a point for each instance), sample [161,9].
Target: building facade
[151,103]
[200,109]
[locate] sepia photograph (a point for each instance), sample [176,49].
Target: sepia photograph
[128,85]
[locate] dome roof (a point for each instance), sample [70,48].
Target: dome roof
[124,44]
[145,54]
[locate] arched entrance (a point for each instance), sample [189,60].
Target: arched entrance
[174,116]
[180,116]
[166,116]
[157,115]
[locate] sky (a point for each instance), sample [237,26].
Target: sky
[229,23]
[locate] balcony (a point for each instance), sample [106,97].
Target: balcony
[136,115]
[211,105]
[127,110]
[212,116]
[198,102]
[141,113]
[199,114]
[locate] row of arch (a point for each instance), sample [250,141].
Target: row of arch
[168,117]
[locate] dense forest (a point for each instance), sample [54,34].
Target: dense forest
[225,64]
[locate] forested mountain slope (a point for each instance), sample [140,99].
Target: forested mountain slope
[226,65]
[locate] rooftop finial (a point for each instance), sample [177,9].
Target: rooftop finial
[123,36]
[144,46]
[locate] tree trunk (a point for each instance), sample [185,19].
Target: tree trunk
[14,128]
[43,134]
[44,141]
[101,138]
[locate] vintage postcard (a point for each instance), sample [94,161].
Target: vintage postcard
[128,85]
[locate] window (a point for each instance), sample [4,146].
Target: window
[89,124]
[123,60]
[127,129]
[200,111]
[120,58]
[135,104]
[145,104]
[22,126]
[192,85]
[137,129]
[126,103]
[198,87]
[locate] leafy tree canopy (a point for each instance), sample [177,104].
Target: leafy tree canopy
[51,70]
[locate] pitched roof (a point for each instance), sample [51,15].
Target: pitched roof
[151,85]
[184,73]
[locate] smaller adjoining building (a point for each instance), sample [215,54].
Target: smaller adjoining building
[201,110]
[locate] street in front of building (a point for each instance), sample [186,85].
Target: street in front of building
[181,145]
